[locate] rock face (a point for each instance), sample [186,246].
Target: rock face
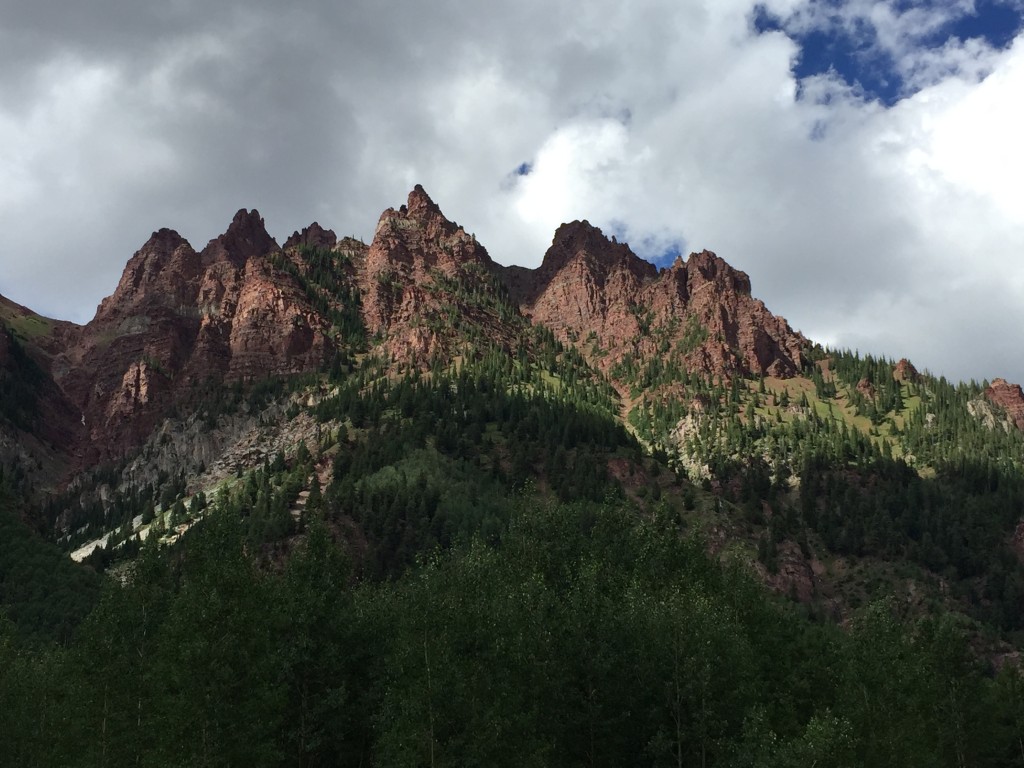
[408,245]
[236,310]
[179,318]
[313,236]
[412,276]
[700,311]
[866,388]
[589,290]
[1009,398]
[586,284]
[906,372]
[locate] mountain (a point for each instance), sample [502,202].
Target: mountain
[394,503]
[241,309]
[37,421]
[178,319]
[423,294]
[669,353]
[698,313]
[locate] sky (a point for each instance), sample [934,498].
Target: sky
[861,160]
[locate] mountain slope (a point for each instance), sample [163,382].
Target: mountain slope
[696,316]
[179,319]
[37,422]
[244,308]
[199,365]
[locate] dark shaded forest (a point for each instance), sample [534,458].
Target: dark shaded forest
[583,637]
[474,588]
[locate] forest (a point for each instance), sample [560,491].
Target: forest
[474,587]
[583,636]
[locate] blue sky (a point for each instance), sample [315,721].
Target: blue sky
[850,45]
[860,160]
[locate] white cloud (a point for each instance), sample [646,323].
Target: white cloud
[975,140]
[896,230]
[969,60]
[573,174]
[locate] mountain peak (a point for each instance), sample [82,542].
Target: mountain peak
[419,211]
[154,255]
[419,226]
[591,286]
[408,246]
[313,236]
[581,239]
[579,234]
[707,267]
[246,236]
[420,203]
[164,240]
[164,252]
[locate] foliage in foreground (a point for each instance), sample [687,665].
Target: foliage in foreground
[583,637]
[41,590]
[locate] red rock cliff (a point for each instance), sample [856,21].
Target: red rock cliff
[591,288]
[178,318]
[1009,397]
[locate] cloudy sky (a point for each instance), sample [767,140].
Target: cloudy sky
[861,160]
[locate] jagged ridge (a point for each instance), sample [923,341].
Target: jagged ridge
[427,288]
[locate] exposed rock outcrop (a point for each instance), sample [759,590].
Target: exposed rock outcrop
[701,310]
[246,237]
[866,388]
[414,250]
[906,372]
[1009,398]
[313,236]
[179,318]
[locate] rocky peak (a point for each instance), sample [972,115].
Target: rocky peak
[411,245]
[419,204]
[580,253]
[1009,397]
[421,218]
[589,286]
[707,267]
[179,317]
[905,371]
[163,242]
[417,238]
[575,237]
[156,272]
[154,256]
[313,236]
[582,240]
[246,236]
